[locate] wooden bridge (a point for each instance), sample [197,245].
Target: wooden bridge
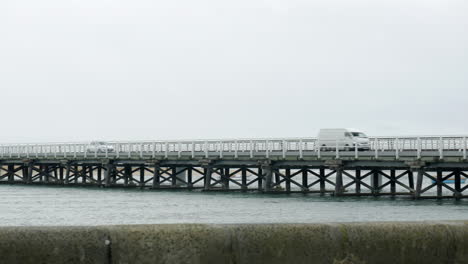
[415,167]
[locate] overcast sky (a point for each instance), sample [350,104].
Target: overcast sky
[74,70]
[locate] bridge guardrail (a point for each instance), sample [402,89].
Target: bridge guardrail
[300,147]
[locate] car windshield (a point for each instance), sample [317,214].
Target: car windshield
[359,134]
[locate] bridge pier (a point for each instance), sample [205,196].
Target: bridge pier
[260,180]
[108,174]
[156,176]
[99,174]
[11,171]
[61,174]
[208,170]
[287,173]
[393,182]
[376,182]
[84,170]
[458,188]
[419,182]
[244,179]
[225,179]
[439,184]
[322,181]
[339,181]
[267,174]
[305,179]
[358,181]
[189,178]
[67,173]
[127,174]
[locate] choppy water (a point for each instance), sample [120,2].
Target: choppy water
[46,206]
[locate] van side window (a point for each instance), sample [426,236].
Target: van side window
[347,134]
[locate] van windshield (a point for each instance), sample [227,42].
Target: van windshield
[359,134]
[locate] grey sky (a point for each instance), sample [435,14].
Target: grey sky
[73,70]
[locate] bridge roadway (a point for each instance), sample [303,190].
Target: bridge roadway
[416,167]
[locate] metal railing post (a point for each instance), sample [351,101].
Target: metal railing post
[441,148]
[397,152]
[419,147]
[193,149]
[283,148]
[221,149]
[236,149]
[337,150]
[301,154]
[464,148]
[376,148]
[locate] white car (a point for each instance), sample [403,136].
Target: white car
[99,146]
[344,139]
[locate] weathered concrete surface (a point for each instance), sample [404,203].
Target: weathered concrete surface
[441,242]
[52,245]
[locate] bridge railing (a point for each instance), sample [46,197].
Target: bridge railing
[296,147]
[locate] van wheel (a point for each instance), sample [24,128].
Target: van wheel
[347,147]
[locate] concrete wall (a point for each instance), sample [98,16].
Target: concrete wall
[445,242]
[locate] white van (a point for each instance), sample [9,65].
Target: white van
[345,139]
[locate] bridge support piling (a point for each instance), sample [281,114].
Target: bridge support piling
[67,173]
[225,179]
[322,181]
[411,179]
[142,176]
[208,172]
[46,173]
[358,181]
[419,182]
[127,174]
[108,174]
[24,172]
[189,177]
[99,174]
[457,175]
[339,182]
[305,179]
[156,176]
[244,179]
[439,184]
[91,173]
[268,177]
[41,173]
[376,182]
[84,169]
[30,171]
[277,178]
[288,179]
[393,182]
[260,179]
[61,174]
